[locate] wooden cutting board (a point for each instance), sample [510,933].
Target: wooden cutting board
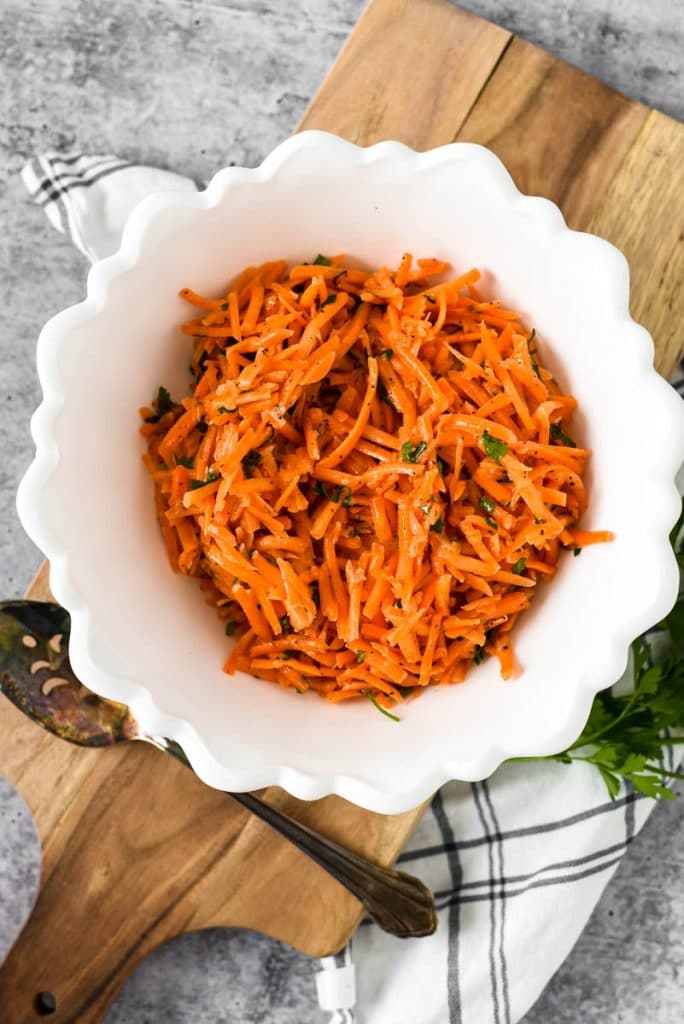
[135,849]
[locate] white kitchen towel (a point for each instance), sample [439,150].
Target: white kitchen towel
[517,863]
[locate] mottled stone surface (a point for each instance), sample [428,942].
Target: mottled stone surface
[193,85]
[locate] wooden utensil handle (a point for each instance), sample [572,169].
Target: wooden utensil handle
[50,960]
[106,898]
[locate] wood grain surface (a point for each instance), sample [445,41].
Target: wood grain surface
[135,849]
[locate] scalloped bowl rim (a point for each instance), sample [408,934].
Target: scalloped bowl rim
[360,786]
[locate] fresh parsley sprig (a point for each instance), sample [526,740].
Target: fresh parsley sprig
[625,733]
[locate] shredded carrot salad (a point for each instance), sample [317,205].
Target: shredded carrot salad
[371,475]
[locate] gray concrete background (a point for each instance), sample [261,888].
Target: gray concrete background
[192,85]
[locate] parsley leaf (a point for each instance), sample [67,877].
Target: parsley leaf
[185,460]
[494,448]
[558,434]
[438,525]
[519,566]
[322,261]
[626,731]
[383,394]
[412,452]
[195,484]
[487,503]
[164,405]
[360,656]
[249,462]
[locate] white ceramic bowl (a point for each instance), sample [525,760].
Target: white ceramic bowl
[145,637]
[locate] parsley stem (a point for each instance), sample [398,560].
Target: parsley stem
[383,711]
[657,770]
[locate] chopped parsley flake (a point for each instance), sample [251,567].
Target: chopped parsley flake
[558,434]
[494,448]
[383,394]
[249,462]
[412,452]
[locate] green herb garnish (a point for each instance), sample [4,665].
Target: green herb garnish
[249,462]
[494,448]
[519,566]
[558,434]
[438,525]
[360,656]
[383,394]
[322,261]
[195,484]
[224,412]
[577,552]
[331,298]
[164,405]
[442,466]
[320,489]
[185,460]
[625,734]
[347,500]
[383,711]
[412,452]
[487,503]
